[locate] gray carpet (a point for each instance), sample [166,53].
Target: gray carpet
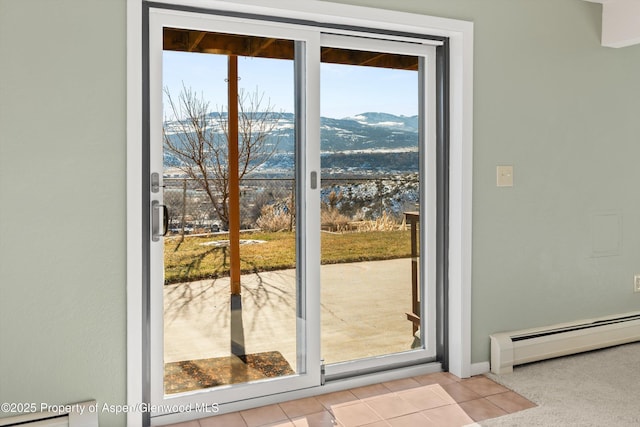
[599,388]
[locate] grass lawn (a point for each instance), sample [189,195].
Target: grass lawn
[191,260]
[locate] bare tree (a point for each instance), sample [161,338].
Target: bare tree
[198,137]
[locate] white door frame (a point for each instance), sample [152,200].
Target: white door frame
[460,37]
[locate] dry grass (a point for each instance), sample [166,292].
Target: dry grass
[383,223]
[276,218]
[332,220]
[191,260]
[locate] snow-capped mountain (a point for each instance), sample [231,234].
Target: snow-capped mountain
[359,144]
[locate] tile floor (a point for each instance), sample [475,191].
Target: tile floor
[439,399]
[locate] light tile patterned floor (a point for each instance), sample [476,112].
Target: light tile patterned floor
[438,400]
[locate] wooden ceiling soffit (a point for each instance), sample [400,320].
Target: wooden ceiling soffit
[231,44]
[369,59]
[226,44]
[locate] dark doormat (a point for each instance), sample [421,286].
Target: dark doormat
[199,374]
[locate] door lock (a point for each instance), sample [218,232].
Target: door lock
[155,182]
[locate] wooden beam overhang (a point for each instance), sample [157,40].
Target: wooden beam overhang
[369,59]
[226,44]
[240,45]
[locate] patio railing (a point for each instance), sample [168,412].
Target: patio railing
[346,202]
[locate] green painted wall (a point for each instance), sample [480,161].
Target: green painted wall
[548,99]
[565,112]
[62,202]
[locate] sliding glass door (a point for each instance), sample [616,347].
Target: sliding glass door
[376,96]
[292,201]
[230,305]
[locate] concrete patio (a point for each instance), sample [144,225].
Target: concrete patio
[363,309]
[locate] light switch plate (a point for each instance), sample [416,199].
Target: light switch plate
[504,175]
[636,283]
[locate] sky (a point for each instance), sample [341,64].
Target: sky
[346,90]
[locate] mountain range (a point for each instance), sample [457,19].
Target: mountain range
[367,142]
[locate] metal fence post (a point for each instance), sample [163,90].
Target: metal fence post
[184,204]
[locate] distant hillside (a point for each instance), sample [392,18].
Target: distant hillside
[368,141]
[368,131]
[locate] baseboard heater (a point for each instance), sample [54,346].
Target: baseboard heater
[83,414]
[531,345]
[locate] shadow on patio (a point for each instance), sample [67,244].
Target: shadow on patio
[363,308]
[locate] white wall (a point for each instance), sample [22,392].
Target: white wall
[62,202]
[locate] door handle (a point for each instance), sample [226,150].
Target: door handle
[156,233]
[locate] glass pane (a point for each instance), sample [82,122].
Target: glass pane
[218,331]
[370,192]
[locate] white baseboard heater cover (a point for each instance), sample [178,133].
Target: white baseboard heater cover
[531,345]
[81,418]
